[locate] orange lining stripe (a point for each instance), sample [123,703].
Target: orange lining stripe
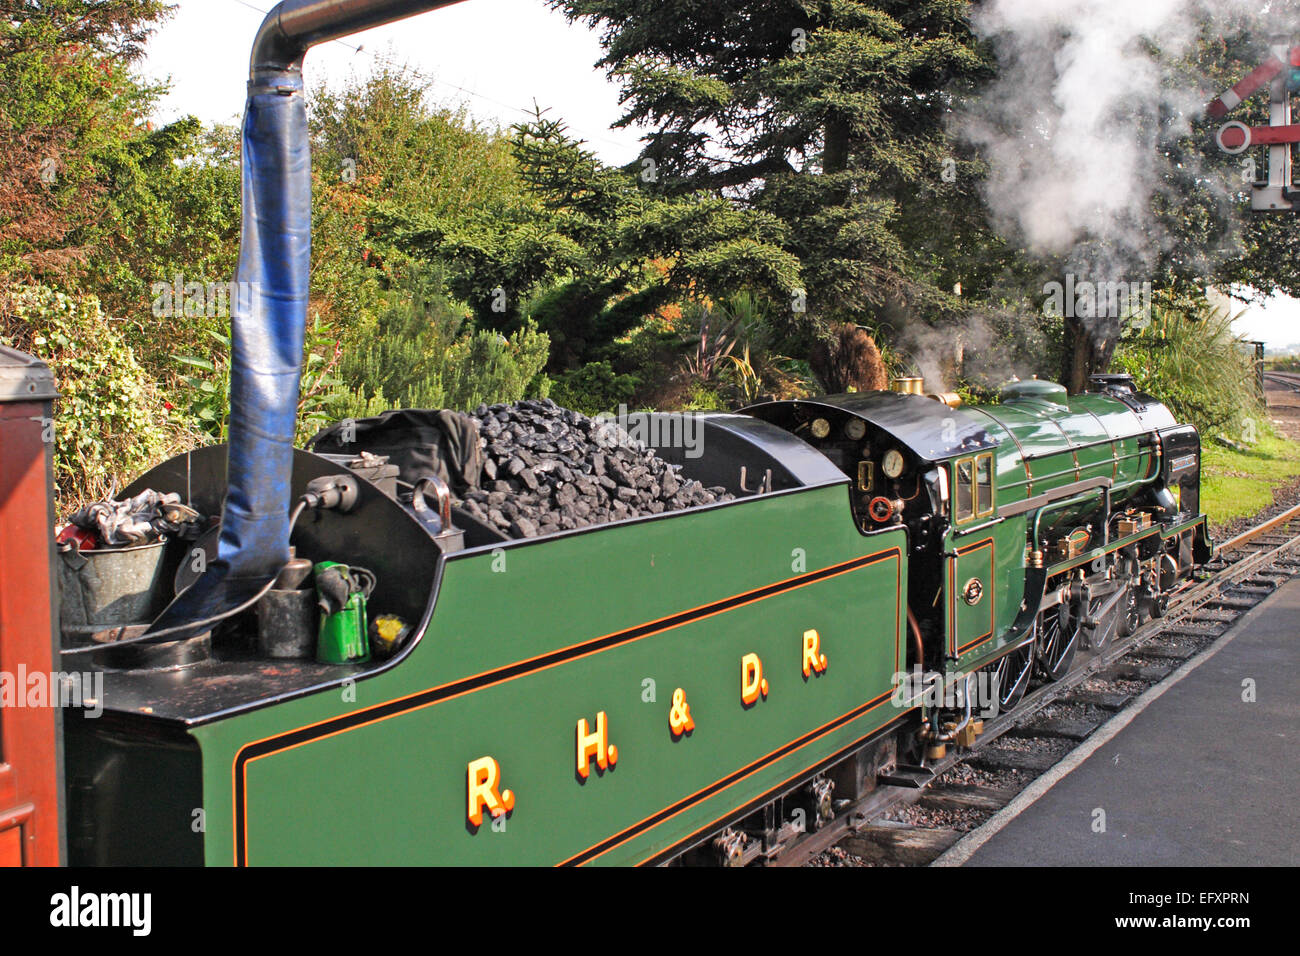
[824,574]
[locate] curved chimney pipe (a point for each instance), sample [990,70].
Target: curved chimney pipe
[270,313]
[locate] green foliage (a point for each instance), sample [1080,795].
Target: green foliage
[594,388]
[382,148]
[487,367]
[419,354]
[702,398]
[713,345]
[1241,482]
[400,356]
[110,420]
[171,208]
[793,146]
[830,115]
[68,104]
[1189,358]
[320,394]
[1203,201]
[210,392]
[602,250]
[93,198]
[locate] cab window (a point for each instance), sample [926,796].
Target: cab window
[964,500]
[973,481]
[984,485]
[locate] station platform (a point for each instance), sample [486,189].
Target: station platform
[1200,777]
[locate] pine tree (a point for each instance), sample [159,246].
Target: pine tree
[825,113]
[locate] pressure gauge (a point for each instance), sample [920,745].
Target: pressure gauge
[892,465]
[821,428]
[855,428]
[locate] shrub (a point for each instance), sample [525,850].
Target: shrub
[480,368]
[594,388]
[487,368]
[209,403]
[1189,359]
[111,420]
[848,361]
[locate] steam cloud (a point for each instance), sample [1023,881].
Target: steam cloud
[1072,127]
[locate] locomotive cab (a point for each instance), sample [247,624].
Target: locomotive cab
[893,448]
[922,464]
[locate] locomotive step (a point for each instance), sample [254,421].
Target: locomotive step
[913,778]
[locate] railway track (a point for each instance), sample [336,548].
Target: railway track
[915,825]
[1289,379]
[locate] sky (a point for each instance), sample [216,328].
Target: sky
[1276,324]
[495,57]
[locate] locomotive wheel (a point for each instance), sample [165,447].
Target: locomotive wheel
[1130,611]
[1160,605]
[1108,626]
[1013,672]
[1058,639]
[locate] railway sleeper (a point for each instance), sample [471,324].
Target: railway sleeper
[1062,728]
[1217,614]
[1257,592]
[1103,700]
[1198,633]
[1033,761]
[1270,581]
[1165,652]
[1232,603]
[957,797]
[900,844]
[1134,671]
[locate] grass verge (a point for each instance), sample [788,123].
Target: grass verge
[1238,484]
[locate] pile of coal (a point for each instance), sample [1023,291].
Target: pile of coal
[547,469]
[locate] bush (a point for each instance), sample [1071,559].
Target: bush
[428,371]
[111,421]
[594,388]
[1189,359]
[399,358]
[487,368]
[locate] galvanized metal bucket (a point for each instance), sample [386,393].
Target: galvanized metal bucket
[106,588]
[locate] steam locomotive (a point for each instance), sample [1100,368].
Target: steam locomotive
[701,683]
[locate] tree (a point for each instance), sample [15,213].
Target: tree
[1154,200]
[383,149]
[1206,204]
[826,114]
[94,198]
[590,252]
[68,101]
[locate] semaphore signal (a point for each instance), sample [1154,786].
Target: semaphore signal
[1281,73]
